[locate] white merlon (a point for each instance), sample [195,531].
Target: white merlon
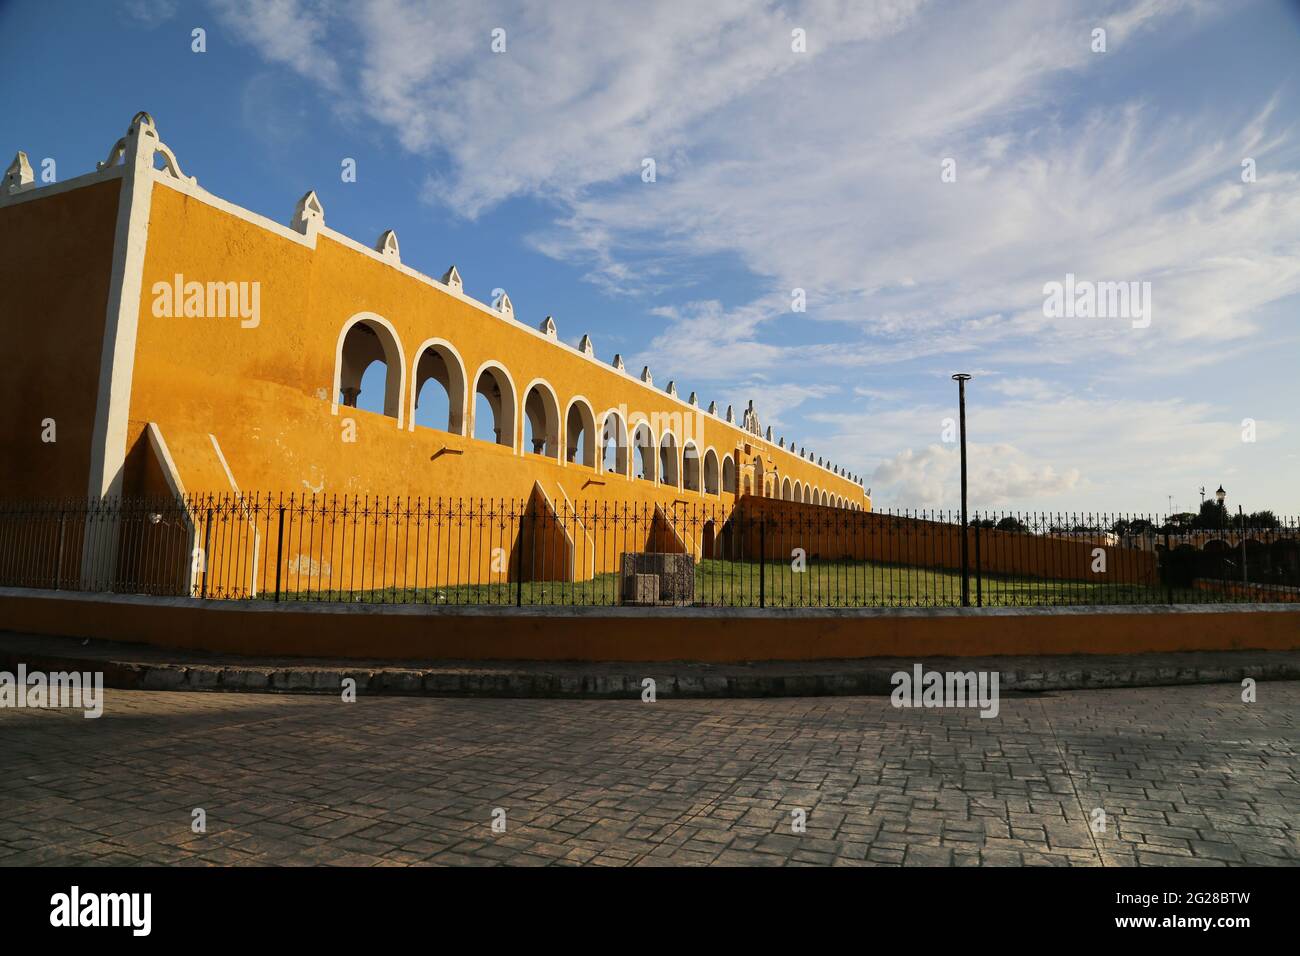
[141,142]
[309,214]
[504,305]
[646,376]
[19,176]
[452,278]
[585,346]
[387,246]
[547,327]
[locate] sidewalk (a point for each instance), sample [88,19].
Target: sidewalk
[141,667]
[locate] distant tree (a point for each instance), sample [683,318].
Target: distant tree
[1262,519]
[1010,523]
[1212,516]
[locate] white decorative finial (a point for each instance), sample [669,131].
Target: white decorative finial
[646,376]
[452,278]
[19,176]
[713,408]
[731,415]
[693,400]
[504,305]
[768,436]
[547,327]
[672,389]
[139,146]
[585,346]
[387,246]
[309,214]
[618,362]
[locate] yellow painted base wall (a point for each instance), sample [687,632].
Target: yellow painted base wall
[428,634]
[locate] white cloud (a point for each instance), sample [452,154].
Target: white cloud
[822,171]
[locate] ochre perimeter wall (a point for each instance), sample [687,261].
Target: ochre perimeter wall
[627,634]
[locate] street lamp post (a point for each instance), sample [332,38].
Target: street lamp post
[961,378]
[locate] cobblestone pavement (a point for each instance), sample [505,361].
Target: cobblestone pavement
[1185,775]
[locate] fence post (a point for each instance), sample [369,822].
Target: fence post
[207,539]
[519,570]
[1169,569]
[1245,579]
[58,565]
[965,558]
[279,554]
[762,562]
[979,568]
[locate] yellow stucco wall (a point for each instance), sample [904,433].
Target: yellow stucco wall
[56,255]
[266,393]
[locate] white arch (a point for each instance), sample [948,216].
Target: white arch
[712,483]
[670,473]
[798,490]
[456,415]
[506,408]
[394,392]
[638,450]
[551,411]
[785,488]
[586,455]
[729,475]
[622,444]
[695,474]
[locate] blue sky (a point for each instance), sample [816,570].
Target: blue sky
[778,170]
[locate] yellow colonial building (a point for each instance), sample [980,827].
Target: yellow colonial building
[172,341]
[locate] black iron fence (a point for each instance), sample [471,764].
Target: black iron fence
[760,552]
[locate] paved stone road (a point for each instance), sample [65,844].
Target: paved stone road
[1185,775]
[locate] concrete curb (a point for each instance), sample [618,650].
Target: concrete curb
[134,667]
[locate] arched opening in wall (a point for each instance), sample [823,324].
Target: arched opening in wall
[807,494]
[798,491]
[613,445]
[728,475]
[785,489]
[439,390]
[643,440]
[690,467]
[580,434]
[760,480]
[826,500]
[541,422]
[494,407]
[712,479]
[370,369]
[668,461]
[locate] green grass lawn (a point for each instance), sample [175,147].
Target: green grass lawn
[823,584]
